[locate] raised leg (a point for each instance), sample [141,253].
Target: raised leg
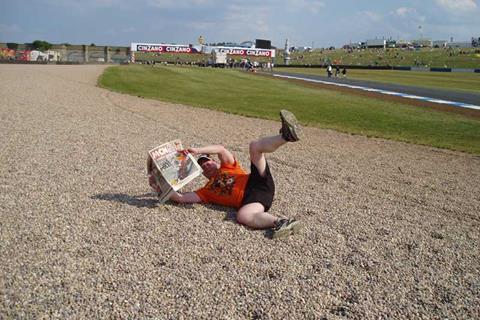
[265,145]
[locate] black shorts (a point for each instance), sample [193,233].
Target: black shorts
[259,189]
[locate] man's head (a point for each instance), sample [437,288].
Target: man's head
[210,167]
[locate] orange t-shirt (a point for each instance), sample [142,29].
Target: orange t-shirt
[227,187]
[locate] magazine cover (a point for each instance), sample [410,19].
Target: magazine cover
[171,168]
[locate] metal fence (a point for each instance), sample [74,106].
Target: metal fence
[66,54]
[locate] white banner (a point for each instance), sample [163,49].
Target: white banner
[163,48]
[180,48]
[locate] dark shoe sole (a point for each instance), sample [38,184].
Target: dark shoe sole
[292,122]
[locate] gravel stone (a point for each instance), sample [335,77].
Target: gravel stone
[391,230]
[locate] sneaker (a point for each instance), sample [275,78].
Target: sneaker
[290,130]
[285,227]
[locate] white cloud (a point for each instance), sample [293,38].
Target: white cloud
[200,2]
[177,3]
[242,22]
[161,3]
[403,11]
[85,5]
[373,16]
[457,5]
[202,26]
[312,6]
[410,14]
[9,28]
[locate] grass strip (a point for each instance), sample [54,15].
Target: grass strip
[249,95]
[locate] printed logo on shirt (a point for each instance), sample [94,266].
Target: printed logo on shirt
[222,184]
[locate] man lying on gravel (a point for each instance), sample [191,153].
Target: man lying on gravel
[231,186]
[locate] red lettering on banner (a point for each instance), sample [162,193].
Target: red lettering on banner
[178,49]
[165,48]
[149,48]
[246,52]
[188,49]
[258,53]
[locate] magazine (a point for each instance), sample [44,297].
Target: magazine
[171,168]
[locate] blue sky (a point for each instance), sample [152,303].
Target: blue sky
[322,23]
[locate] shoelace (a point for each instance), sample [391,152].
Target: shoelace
[280,223]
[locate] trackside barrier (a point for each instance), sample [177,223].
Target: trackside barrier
[441,69]
[340,66]
[401,68]
[46,62]
[462,70]
[420,69]
[22,62]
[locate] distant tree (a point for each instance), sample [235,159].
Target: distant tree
[12,45]
[92,44]
[41,45]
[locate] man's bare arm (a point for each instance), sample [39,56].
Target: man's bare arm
[188,197]
[223,154]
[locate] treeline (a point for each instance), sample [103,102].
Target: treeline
[40,45]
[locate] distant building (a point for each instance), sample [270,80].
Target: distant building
[439,43]
[247,44]
[354,45]
[423,43]
[391,44]
[403,44]
[376,43]
[460,44]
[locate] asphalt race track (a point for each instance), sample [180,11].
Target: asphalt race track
[449,97]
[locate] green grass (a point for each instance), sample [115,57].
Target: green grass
[461,81]
[250,95]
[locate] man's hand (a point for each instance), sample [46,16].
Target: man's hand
[153,183]
[189,197]
[193,151]
[223,154]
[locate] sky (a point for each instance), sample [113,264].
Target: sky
[317,23]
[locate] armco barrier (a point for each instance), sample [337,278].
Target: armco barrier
[340,66]
[402,68]
[369,67]
[462,70]
[420,69]
[441,69]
